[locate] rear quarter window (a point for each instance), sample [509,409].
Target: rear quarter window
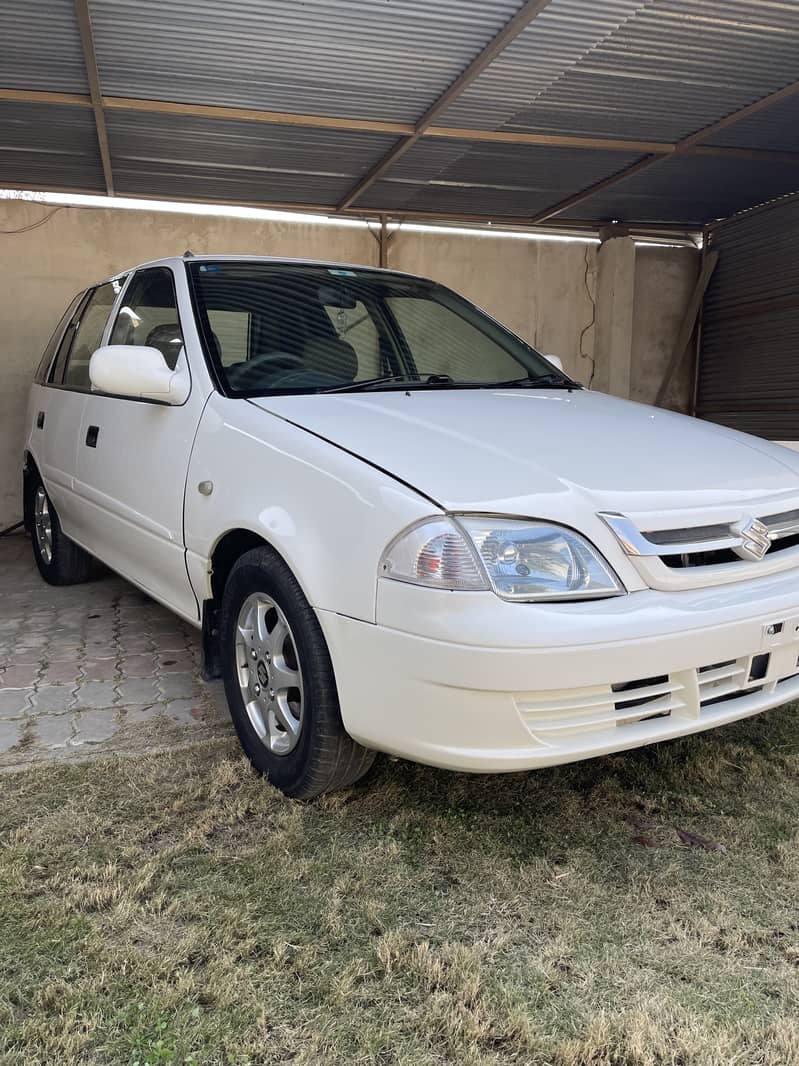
[40,376]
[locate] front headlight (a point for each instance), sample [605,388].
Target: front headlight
[517,558]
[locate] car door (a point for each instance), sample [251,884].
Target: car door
[133,454]
[59,412]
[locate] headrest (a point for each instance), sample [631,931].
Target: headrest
[331,356]
[168,340]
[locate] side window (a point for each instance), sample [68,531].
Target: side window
[53,343]
[88,334]
[149,314]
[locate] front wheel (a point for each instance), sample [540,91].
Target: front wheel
[60,560]
[279,682]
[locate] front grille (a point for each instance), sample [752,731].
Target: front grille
[720,555]
[738,543]
[552,715]
[556,718]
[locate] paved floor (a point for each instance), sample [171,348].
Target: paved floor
[94,668]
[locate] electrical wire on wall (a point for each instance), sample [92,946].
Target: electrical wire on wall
[585,355]
[33,225]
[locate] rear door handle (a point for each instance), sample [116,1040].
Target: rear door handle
[92,433]
[40,420]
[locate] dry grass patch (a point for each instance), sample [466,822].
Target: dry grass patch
[177,910]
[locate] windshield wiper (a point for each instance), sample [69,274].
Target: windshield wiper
[444,381]
[543,381]
[395,381]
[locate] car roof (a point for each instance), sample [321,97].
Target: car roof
[190,257]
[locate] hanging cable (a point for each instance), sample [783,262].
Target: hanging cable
[585,355]
[33,225]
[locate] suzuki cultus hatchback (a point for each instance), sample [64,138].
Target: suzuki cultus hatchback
[401,528]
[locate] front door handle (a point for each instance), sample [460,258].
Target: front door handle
[40,420]
[92,433]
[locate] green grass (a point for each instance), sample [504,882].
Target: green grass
[177,910]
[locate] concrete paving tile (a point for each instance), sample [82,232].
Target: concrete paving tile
[183,712]
[53,731]
[176,663]
[52,699]
[60,673]
[128,645]
[178,686]
[62,653]
[99,670]
[135,690]
[137,715]
[94,694]
[92,727]
[19,676]
[138,666]
[10,735]
[19,656]
[14,702]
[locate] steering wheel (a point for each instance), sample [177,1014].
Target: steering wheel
[242,374]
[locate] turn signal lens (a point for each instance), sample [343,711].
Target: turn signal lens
[434,553]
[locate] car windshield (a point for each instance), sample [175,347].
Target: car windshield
[286,328]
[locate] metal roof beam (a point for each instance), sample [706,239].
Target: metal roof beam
[693,142]
[509,32]
[582,227]
[401,129]
[96,96]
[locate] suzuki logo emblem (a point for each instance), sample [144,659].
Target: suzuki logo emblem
[755,540]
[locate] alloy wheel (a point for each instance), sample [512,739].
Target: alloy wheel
[43,525]
[269,673]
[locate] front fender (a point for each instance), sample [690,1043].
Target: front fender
[329,514]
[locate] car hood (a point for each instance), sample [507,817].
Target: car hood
[523,451]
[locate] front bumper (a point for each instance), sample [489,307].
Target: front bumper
[468,682]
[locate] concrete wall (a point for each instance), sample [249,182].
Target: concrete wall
[664,281]
[543,290]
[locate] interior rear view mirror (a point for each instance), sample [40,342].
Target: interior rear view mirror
[337,296]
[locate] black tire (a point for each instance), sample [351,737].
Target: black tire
[325,757]
[68,564]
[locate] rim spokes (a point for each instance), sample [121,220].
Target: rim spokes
[269,673]
[43,525]
[282,711]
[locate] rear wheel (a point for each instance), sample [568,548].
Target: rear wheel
[60,560]
[279,682]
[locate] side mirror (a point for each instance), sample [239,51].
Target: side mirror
[139,372]
[556,361]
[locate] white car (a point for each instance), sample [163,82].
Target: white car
[401,528]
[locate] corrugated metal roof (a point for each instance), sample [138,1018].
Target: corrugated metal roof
[653,70]
[489,179]
[776,126]
[40,46]
[690,189]
[355,58]
[656,69]
[48,145]
[193,157]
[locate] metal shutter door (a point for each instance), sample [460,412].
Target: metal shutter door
[749,362]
